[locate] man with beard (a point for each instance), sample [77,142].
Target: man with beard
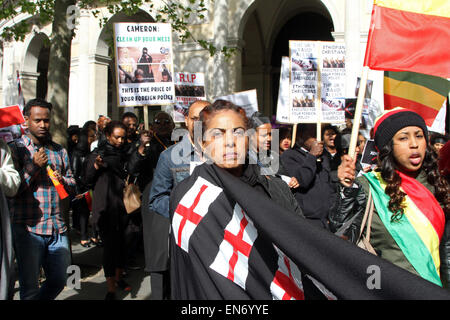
[39,230]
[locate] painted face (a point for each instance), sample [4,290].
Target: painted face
[409,148]
[225,141]
[117,138]
[38,122]
[264,137]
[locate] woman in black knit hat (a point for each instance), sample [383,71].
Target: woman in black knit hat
[410,197]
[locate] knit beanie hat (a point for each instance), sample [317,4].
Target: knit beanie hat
[387,125]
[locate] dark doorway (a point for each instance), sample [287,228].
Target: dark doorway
[304,26]
[42,69]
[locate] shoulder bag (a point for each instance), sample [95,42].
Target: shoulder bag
[131,196]
[364,240]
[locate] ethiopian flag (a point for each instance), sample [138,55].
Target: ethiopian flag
[410,35]
[418,92]
[420,229]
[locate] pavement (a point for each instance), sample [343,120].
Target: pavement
[92,284]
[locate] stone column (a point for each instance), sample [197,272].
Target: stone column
[352,42]
[81,85]
[98,100]
[220,78]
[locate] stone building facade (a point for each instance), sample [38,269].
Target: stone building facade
[258,29]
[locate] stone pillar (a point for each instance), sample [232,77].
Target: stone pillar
[98,100]
[220,40]
[81,85]
[352,42]
[9,78]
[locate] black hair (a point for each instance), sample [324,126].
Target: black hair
[437,137]
[38,102]
[285,132]
[72,130]
[83,144]
[90,124]
[129,114]
[112,125]
[304,132]
[388,167]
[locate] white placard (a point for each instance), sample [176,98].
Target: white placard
[144,64]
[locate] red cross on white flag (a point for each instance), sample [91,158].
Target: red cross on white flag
[192,208]
[287,284]
[234,251]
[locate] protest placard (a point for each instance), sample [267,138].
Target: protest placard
[189,87]
[283,92]
[144,64]
[317,82]
[247,100]
[370,154]
[332,59]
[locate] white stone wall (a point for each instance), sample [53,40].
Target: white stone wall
[224,25]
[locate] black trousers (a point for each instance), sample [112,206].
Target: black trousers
[160,285]
[81,212]
[114,248]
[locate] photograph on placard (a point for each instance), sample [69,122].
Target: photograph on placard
[144,64]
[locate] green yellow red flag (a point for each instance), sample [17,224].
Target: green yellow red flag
[418,92]
[410,35]
[420,229]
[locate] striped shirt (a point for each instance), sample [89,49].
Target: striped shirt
[37,203]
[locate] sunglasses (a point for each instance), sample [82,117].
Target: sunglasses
[158,121]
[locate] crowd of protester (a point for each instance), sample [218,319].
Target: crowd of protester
[314,178]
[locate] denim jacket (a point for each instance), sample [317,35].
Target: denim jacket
[172,168]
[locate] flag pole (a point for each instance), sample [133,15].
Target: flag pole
[146,117]
[358,112]
[294,135]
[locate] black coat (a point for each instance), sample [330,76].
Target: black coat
[108,183]
[272,186]
[78,165]
[317,190]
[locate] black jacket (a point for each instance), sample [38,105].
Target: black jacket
[142,167]
[108,183]
[351,203]
[317,188]
[272,186]
[78,165]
